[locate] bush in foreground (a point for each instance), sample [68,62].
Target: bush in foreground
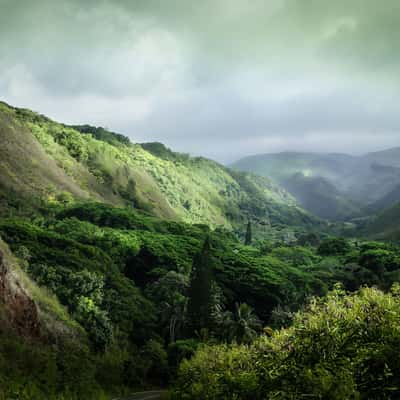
[341,347]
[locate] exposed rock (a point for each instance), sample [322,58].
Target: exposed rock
[19,311]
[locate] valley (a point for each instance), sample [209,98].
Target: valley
[127,267]
[199,200]
[348,186]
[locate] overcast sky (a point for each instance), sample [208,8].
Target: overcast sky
[221,78]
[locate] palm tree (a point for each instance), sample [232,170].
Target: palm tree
[244,324]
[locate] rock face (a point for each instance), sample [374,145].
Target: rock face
[18,311]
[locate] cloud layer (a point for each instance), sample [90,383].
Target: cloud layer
[220,78]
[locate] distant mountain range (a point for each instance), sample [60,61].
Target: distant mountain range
[386,225]
[334,186]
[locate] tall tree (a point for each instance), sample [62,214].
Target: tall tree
[249,237]
[199,307]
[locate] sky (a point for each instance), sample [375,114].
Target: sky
[219,78]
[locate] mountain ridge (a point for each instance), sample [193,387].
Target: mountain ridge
[104,166]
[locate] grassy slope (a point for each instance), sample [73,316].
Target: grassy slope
[40,146]
[194,190]
[24,165]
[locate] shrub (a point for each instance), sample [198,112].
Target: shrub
[340,347]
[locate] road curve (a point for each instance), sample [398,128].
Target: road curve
[148,395]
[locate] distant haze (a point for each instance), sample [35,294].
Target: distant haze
[220,78]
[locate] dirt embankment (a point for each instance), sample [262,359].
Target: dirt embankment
[18,311]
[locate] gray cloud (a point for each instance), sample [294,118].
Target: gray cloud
[216,77]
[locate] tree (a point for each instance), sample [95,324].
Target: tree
[95,321]
[169,292]
[241,325]
[334,246]
[199,308]
[309,239]
[248,238]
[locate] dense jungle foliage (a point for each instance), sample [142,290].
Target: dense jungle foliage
[130,280]
[339,347]
[154,269]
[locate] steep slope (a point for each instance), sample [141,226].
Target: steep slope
[94,163]
[24,164]
[26,309]
[41,157]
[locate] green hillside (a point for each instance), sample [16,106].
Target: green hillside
[46,158]
[127,259]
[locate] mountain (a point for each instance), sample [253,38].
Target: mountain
[97,241]
[99,236]
[105,243]
[46,159]
[358,181]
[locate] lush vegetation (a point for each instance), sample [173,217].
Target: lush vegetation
[151,268]
[339,347]
[95,163]
[146,291]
